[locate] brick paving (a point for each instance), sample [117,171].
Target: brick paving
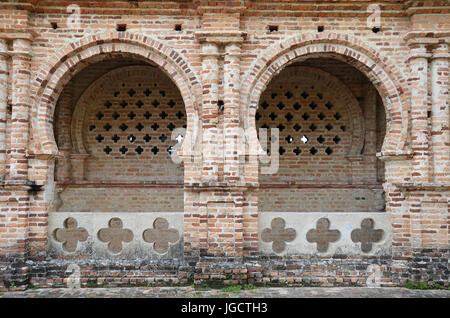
[190,292]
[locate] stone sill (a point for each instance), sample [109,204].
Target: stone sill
[118,184]
[394,156]
[301,185]
[204,185]
[220,186]
[423,186]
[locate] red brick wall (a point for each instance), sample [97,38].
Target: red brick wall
[411,42]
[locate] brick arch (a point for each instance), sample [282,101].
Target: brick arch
[389,82]
[68,61]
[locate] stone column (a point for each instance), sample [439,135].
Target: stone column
[232,135]
[210,83]
[20,108]
[420,134]
[3,104]
[440,113]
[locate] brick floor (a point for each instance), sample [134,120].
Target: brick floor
[190,292]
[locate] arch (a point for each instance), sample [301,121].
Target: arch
[389,82]
[69,60]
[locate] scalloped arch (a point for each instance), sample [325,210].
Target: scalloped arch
[389,82]
[68,61]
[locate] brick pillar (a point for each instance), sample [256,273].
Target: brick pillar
[397,207]
[210,83]
[420,133]
[224,226]
[440,113]
[64,138]
[3,104]
[15,195]
[370,147]
[20,108]
[232,133]
[14,209]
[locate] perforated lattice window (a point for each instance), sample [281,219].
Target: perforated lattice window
[136,119]
[313,124]
[126,128]
[304,114]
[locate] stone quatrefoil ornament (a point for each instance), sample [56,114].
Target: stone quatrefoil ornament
[367,235]
[115,235]
[161,235]
[70,235]
[322,235]
[278,234]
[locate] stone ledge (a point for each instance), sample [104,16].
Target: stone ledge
[422,186]
[220,186]
[117,184]
[393,156]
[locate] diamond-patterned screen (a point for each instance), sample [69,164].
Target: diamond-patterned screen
[313,124]
[134,117]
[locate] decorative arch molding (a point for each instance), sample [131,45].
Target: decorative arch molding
[68,61]
[346,98]
[386,78]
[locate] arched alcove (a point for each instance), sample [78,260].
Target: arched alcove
[331,125]
[117,123]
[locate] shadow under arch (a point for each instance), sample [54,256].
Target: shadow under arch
[71,59]
[388,81]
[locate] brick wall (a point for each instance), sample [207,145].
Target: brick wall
[230,52]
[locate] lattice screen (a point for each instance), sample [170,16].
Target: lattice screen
[314,127]
[133,119]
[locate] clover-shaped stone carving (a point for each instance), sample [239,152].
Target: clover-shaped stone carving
[322,235]
[278,234]
[367,235]
[115,235]
[70,235]
[161,235]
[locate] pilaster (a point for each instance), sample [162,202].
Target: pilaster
[440,134]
